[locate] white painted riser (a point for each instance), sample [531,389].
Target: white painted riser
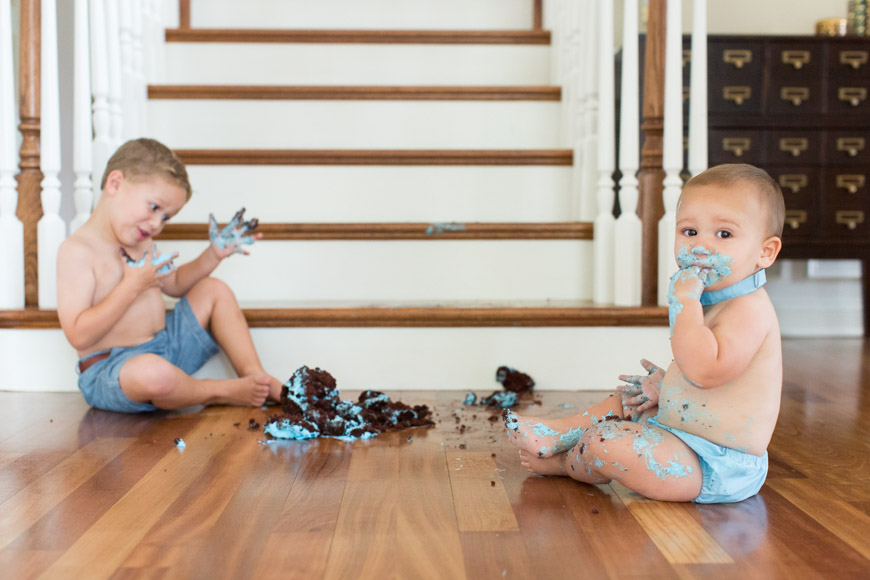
[356,64]
[218,124]
[389,359]
[362,15]
[292,194]
[363,272]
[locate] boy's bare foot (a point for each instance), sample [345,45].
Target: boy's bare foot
[274,389]
[543,465]
[539,438]
[244,391]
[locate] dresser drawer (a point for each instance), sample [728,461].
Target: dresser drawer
[802,190]
[848,221]
[735,70]
[847,183]
[802,147]
[847,148]
[848,62]
[849,97]
[736,146]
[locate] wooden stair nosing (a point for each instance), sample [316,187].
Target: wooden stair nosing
[410,317]
[422,157]
[521,37]
[361,93]
[399,231]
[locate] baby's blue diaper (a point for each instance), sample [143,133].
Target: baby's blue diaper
[729,475]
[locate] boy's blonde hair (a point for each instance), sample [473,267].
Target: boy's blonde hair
[768,189]
[144,158]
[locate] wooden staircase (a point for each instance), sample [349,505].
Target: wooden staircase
[447,232]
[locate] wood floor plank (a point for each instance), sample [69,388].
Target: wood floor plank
[480,506]
[26,507]
[21,410]
[103,547]
[843,520]
[497,555]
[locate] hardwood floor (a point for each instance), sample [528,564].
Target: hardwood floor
[90,494]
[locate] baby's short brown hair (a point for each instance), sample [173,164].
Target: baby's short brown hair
[768,189]
[143,158]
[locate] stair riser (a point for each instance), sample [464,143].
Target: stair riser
[353,14]
[356,64]
[354,124]
[380,194]
[363,272]
[390,358]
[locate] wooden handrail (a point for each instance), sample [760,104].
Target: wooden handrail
[184,14]
[30,177]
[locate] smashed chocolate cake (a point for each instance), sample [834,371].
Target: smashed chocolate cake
[515,383]
[312,407]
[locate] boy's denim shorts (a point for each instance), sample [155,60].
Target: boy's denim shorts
[183,342]
[729,475]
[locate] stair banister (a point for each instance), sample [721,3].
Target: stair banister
[672,149]
[116,81]
[589,166]
[698,159]
[128,84]
[51,228]
[602,291]
[100,90]
[627,230]
[11,228]
[139,85]
[154,48]
[83,194]
[29,178]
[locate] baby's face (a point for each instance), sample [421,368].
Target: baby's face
[143,208]
[722,230]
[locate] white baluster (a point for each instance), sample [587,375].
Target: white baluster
[129,105]
[627,230]
[100,88]
[140,85]
[604,222]
[572,61]
[698,159]
[554,9]
[588,196]
[116,80]
[672,149]
[11,228]
[154,45]
[82,127]
[51,229]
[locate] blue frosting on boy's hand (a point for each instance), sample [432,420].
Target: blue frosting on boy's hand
[234,234]
[156,260]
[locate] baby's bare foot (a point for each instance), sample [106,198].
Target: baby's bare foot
[245,391]
[535,436]
[543,465]
[274,389]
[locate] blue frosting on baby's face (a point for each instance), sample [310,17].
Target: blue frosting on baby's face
[716,266]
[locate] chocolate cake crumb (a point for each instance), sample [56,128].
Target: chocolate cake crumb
[253,424]
[491,483]
[462,446]
[595,510]
[514,381]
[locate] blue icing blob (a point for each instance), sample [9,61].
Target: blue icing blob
[440,228]
[284,429]
[470,398]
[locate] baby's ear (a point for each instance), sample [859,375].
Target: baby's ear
[113,181]
[769,251]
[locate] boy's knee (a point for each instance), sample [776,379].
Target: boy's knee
[212,287]
[153,375]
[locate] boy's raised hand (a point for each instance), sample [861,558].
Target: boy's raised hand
[641,391]
[688,282]
[234,235]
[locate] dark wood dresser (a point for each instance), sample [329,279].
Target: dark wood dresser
[799,106]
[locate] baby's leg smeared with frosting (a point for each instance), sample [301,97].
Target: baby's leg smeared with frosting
[546,437]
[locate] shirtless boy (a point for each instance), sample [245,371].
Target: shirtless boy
[135,356]
[698,431]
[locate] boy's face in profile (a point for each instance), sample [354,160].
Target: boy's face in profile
[729,221]
[141,207]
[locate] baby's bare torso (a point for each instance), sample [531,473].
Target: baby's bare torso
[740,414]
[145,317]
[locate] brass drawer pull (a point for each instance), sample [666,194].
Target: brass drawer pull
[851,218]
[794,145]
[852,95]
[796,58]
[737,145]
[796,95]
[737,94]
[686,92]
[687,57]
[737,57]
[851,145]
[854,58]
[851,183]
[795,217]
[793,181]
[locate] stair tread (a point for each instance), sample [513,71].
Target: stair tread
[313,314]
[361,92]
[399,231]
[376,156]
[359,36]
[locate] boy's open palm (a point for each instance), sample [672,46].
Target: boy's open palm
[143,277]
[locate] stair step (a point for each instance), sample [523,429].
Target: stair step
[376,156]
[260,35]
[384,14]
[380,193]
[371,93]
[418,317]
[266,63]
[398,231]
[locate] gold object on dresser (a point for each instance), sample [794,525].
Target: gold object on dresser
[832,27]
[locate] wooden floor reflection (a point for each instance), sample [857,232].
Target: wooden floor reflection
[89,494]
